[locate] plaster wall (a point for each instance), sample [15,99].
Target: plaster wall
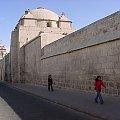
[32,61]
[14,57]
[29,22]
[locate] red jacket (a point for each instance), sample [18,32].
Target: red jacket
[98,84]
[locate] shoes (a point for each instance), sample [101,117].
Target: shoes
[96,101]
[101,102]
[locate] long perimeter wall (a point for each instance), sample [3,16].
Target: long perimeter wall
[75,60]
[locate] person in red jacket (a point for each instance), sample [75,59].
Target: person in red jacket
[98,84]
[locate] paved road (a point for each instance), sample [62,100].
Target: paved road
[29,107]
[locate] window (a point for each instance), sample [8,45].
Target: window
[49,24]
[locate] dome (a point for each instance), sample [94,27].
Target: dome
[42,13]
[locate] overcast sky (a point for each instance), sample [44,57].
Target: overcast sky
[80,12]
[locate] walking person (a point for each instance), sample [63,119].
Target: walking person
[98,84]
[50,82]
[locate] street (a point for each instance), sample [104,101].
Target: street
[29,107]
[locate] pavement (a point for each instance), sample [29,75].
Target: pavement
[74,99]
[6,112]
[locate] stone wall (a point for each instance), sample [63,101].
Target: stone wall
[14,56]
[26,34]
[32,61]
[7,68]
[22,64]
[47,38]
[78,69]
[76,59]
[1,68]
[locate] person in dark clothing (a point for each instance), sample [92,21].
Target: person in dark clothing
[50,82]
[98,84]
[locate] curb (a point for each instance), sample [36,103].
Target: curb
[55,102]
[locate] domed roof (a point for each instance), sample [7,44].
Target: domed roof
[42,13]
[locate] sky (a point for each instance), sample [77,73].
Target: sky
[80,12]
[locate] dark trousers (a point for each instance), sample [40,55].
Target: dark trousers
[50,87]
[98,96]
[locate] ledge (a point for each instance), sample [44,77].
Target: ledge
[101,39]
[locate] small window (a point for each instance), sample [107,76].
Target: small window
[49,24]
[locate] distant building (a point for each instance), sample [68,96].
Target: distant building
[2,54]
[2,51]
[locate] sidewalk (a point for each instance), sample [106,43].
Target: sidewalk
[6,112]
[82,102]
